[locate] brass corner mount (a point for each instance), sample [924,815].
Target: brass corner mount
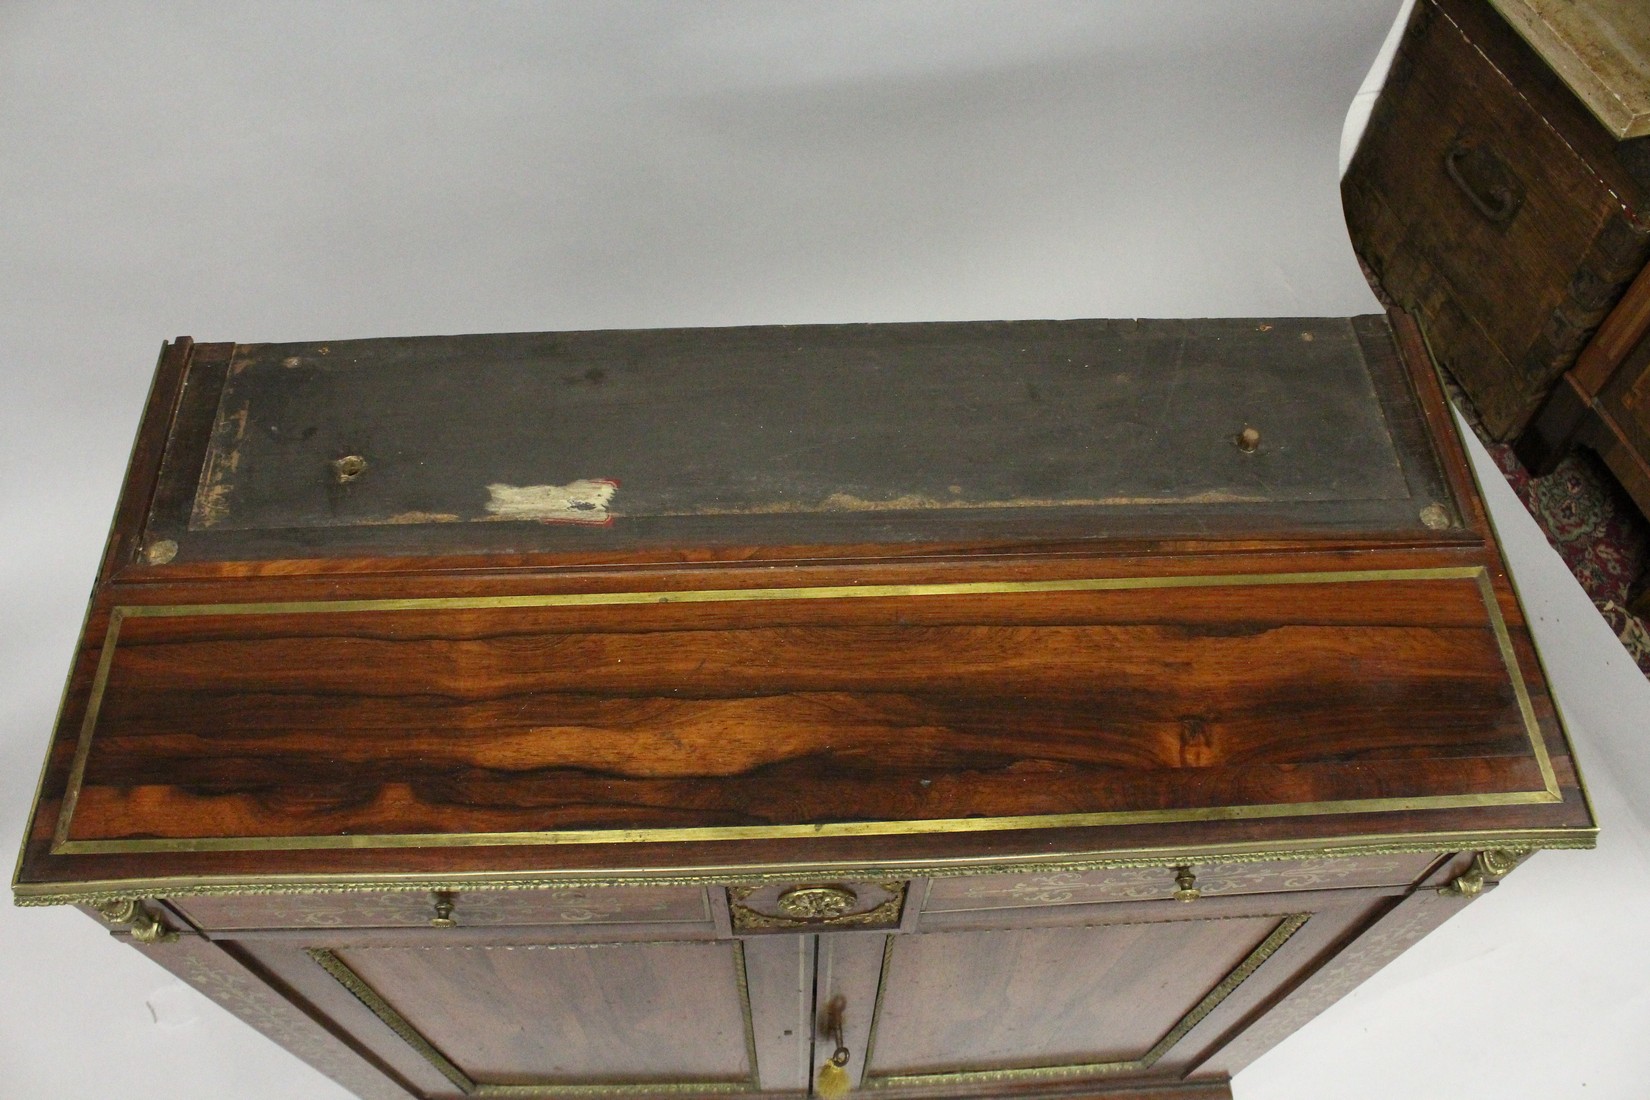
[137,919]
[1487,865]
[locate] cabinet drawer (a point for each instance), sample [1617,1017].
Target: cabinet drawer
[478,908]
[802,906]
[955,895]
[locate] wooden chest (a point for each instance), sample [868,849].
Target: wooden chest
[1492,204]
[984,709]
[1604,402]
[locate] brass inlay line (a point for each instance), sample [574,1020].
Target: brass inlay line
[876,1010]
[830,829]
[83,749]
[404,1030]
[90,892]
[378,1006]
[742,976]
[1211,1001]
[1486,590]
[1549,792]
[1509,657]
[835,592]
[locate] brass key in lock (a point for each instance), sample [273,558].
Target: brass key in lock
[833,1077]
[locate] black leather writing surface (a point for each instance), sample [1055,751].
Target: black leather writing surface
[809,434]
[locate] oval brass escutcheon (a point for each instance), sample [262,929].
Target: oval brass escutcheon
[816,902]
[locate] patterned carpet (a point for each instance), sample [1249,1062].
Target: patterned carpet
[1593,525]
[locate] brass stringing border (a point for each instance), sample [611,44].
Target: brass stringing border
[92,892]
[1211,1000]
[63,845]
[408,1034]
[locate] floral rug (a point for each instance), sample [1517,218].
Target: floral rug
[1592,523]
[1596,530]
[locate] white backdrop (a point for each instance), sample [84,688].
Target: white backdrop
[241,171]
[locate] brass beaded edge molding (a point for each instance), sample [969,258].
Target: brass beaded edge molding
[97,892]
[63,844]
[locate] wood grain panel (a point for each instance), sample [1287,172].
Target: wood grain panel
[407,721]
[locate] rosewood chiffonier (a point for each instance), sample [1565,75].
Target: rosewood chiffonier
[971,709]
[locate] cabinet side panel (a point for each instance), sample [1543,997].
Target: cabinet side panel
[1383,941]
[213,971]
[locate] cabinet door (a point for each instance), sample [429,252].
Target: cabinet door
[951,1000]
[535,1014]
[1090,991]
[519,1016]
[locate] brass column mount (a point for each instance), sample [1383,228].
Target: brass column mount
[138,919]
[1492,863]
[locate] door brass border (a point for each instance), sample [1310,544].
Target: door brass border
[1548,793]
[340,971]
[1228,985]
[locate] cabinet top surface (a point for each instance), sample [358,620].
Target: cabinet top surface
[1341,684]
[1600,48]
[610,443]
